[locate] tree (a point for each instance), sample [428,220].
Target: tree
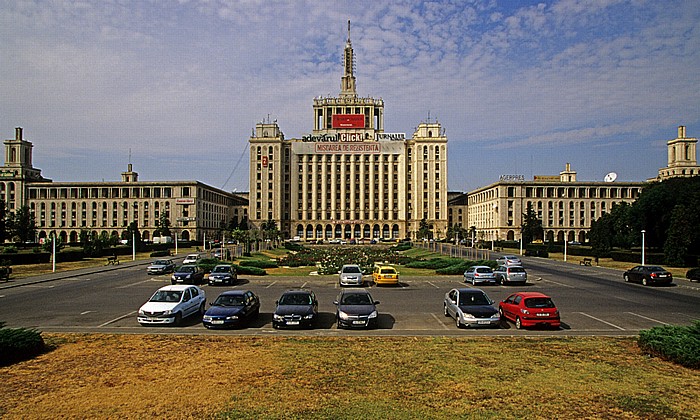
[678,240]
[270,231]
[423,230]
[532,226]
[22,225]
[133,234]
[163,226]
[600,236]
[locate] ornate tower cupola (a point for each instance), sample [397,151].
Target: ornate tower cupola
[347,83]
[682,160]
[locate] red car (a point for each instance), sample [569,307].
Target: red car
[530,309]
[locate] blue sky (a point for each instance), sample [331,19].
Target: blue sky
[520,87]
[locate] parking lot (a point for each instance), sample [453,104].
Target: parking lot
[592,301]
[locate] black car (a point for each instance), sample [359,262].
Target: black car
[295,308]
[222,274]
[232,308]
[356,309]
[188,273]
[648,275]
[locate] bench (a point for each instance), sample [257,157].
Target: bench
[5,272]
[112,260]
[586,261]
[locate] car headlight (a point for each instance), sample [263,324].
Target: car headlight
[373,314]
[467,316]
[309,316]
[206,318]
[173,277]
[141,312]
[188,276]
[525,311]
[232,317]
[342,315]
[277,317]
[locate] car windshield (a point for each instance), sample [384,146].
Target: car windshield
[295,299]
[220,269]
[539,302]
[167,296]
[655,268]
[484,270]
[468,299]
[388,271]
[229,300]
[186,269]
[351,269]
[160,262]
[517,270]
[356,299]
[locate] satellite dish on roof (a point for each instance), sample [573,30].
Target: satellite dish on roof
[610,177]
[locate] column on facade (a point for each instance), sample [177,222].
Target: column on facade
[315,191]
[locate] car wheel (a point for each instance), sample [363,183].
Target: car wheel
[202,308]
[444,308]
[172,282]
[645,281]
[518,323]
[178,319]
[627,278]
[459,324]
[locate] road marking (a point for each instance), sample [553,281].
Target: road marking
[647,318]
[270,285]
[600,320]
[432,284]
[85,312]
[137,283]
[116,319]
[560,284]
[445,327]
[304,285]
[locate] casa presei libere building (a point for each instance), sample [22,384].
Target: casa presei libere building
[349,177]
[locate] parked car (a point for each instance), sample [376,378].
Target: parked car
[509,260]
[356,309]
[222,254]
[222,274]
[188,273]
[510,274]
[191,259]
[530,309]
[350,275]
[471,308]
[171,304]
[693,274]
[648,275]
[295,308]
[479,274]
[161,267]
[385,274]
[232,308]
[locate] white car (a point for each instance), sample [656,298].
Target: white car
[350,275]
[191,259]
[509,260]
[171,304]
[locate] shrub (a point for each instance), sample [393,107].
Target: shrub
[165,253]
[293,246]
[679,344]
[10,249]
[17,344]
[434,263]
[251,271]
[259,263]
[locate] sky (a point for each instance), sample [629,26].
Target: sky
[520,87]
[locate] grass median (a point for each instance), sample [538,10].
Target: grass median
[303,377]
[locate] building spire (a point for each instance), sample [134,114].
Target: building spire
[347,82]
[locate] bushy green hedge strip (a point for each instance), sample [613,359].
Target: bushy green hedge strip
[259,263]
[434,263]
[251,271]
[17,344]
[679,344]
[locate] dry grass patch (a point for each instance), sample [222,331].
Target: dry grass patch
[164,376]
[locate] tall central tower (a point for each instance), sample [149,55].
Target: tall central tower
[347,82]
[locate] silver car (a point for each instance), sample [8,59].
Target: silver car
[508,275]
[479,274]
[509,260]
[350,275]
[471,308]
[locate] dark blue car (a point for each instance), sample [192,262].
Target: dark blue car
[231,309]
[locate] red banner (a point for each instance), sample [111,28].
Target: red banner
[348,121]
[264,161]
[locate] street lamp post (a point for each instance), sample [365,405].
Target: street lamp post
[643,232]
[53,244]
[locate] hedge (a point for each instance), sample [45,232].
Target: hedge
[679,344]
[259,263]
[17,344]
[252,271]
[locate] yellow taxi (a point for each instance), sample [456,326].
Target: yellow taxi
[385,274]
